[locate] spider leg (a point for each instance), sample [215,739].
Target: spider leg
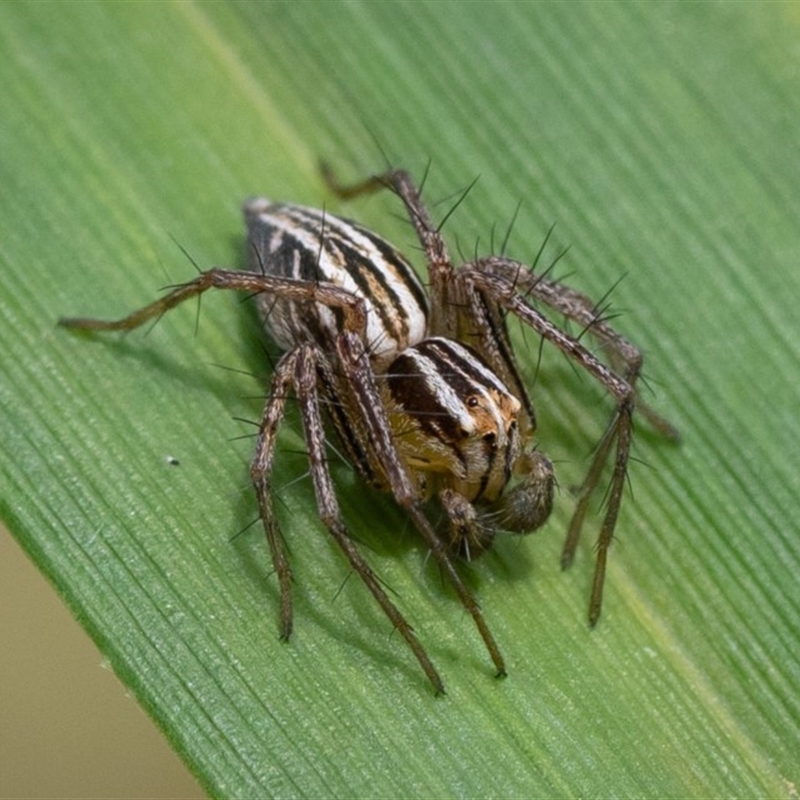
[624,431]
[622,354]
[260,471]
[304,364]
[505,291]
[445,299]
[368,408]
[237,280]
[403,185]
[574,305]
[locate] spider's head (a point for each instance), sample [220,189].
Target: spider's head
[453,419]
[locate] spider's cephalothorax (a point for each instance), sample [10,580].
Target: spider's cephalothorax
[422,390]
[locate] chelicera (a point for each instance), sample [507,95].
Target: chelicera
[422,390]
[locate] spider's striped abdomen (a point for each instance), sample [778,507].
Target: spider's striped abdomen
[308,244]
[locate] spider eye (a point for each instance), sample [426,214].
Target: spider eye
[490,438]
[472,401]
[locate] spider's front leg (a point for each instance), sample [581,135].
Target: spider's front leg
[299,368]
[504,290]
[626,361]
[260,471]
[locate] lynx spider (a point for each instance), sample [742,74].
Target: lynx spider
[427,404]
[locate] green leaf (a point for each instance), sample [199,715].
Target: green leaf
[662,140]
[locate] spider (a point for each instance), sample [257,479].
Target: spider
[422,390]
